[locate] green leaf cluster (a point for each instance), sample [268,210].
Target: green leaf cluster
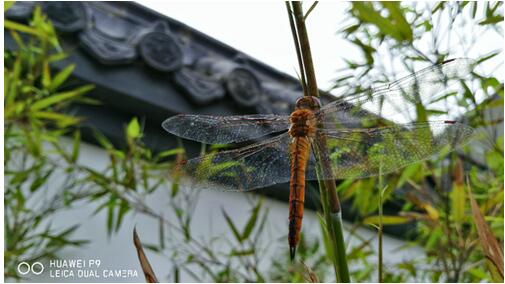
[433,194]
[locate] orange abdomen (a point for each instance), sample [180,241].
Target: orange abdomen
[299,154]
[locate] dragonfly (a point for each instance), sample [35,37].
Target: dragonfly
[359,143]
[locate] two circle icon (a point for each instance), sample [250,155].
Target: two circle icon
[25,268]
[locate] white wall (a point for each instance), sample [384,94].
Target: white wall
[118,252]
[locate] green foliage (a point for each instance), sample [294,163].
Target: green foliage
[389,34]
[34,122]
[132,173]
[394,25]
[42,175]
[8,4]
[314,262]
[219,259]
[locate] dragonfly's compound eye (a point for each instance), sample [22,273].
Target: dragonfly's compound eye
[308,102]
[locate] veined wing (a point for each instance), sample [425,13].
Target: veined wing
[403,95]
[359,153]
[258,165]
[224,129]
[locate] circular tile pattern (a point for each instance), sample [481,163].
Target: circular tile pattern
[243,86]
[160,51]
[67,17]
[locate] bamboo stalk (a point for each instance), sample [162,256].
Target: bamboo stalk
[297,47]
[380,231]
[343,270]
[332,253]
[329,197]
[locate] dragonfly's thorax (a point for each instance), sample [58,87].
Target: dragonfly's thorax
[303,123]
[308,102]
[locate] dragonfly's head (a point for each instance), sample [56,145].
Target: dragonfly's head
[308,102]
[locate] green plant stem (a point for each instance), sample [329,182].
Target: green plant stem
[303,41]
[334,228]
[338,231]
[380,229]
[332,216]
[297,48]
[329,197]
[332,253]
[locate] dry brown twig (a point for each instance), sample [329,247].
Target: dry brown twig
[490,246]
[144,262]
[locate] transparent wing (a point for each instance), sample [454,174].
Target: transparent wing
[401,96]
[258,165]
[360,153]
[224,129]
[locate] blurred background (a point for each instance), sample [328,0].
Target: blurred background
[87,85]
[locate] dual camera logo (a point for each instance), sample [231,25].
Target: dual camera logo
[35,268]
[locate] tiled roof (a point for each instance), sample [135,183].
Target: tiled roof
[202,70]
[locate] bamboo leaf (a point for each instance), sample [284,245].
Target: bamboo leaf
[124,207]
[478,272]
[46,75]
[232,226]
[22,28]
[252,221]
[396,14]
[408,173]
[133,129]
[8,4]
[432,212]
[103,141]
[310,10]
[458,196]
[490,246]
[171,152]
[60,97]
[242,252]
[368,50]
[434,112]
[61,77]
[491,20]
[41,180]
[57,57]
[366,13]
[110,214]
[76,145]
[14,81]
[474,9]
[386,220]
[61,119]
[439,6]
[326,237]
[161,232]
[485,58]
[144,262]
